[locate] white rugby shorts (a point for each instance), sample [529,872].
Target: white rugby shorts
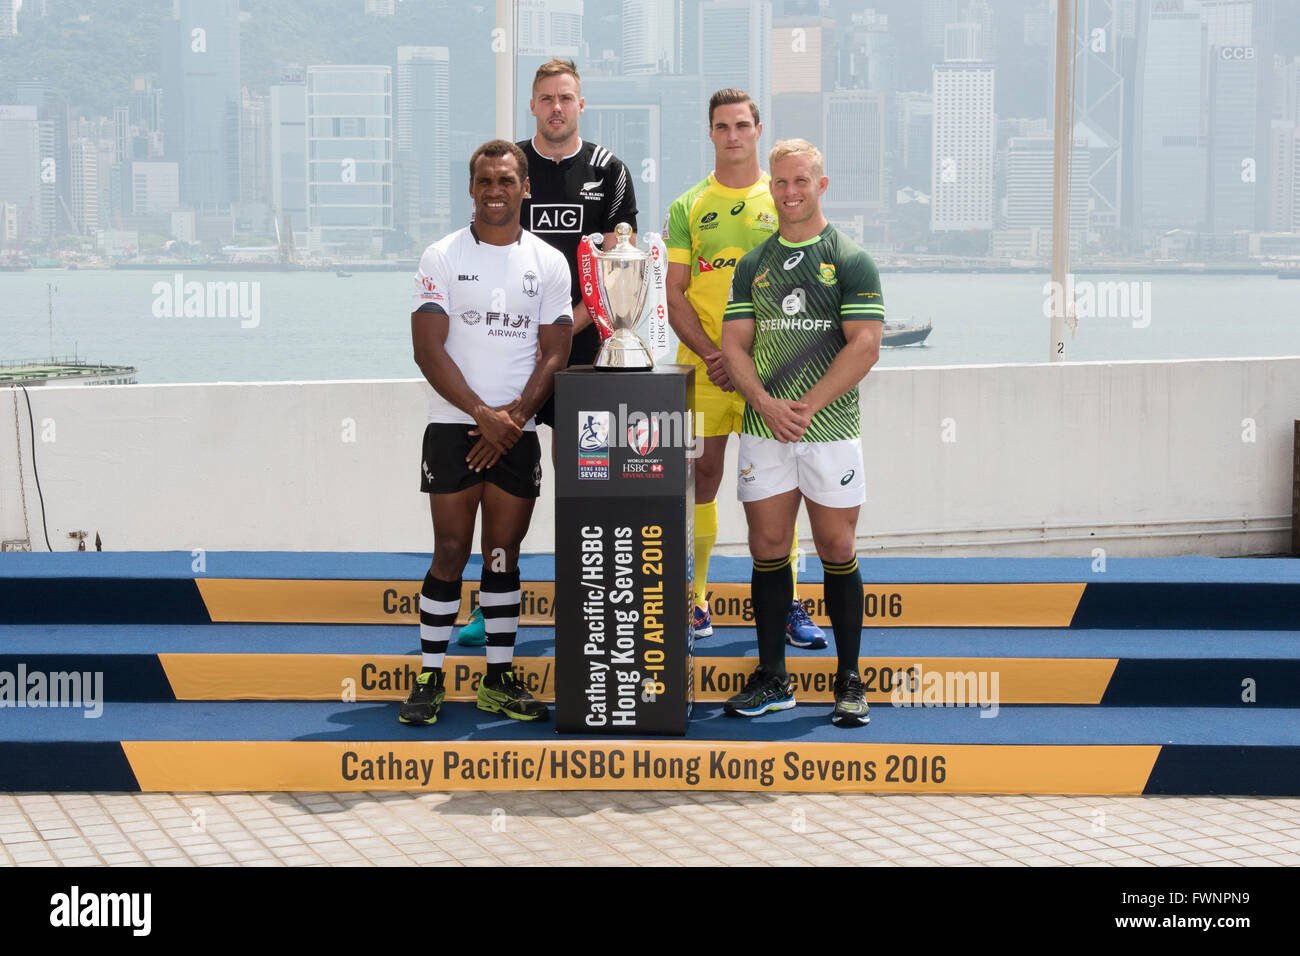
[826,472]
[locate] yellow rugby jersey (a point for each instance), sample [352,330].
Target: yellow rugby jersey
[710,227]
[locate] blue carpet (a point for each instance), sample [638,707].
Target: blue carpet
[725,642]
[806,723]
[541,567]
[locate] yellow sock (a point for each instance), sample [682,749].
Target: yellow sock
[706,533]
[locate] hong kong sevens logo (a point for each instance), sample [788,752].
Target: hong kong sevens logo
[643,437]
[427,282]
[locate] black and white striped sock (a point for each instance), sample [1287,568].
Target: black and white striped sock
[439,605]
[499,597]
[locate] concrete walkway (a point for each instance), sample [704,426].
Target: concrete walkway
[661,827]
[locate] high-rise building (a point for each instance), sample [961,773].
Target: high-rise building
[874,42]
[854,153]
[1170,176]
[963,42]
[8,18]
[935,15]
[735,50]
[350,158]
[553,28]
[964,140]
[155,188]
[254,149]
[1038,23]
[146,104]
[288,134]
[1100,101]
[201,100]
[981,12]
[381,8]
[914,112]
[652,36]
[1240,73]
[657,129]
[422,142]
[803,71]
[1234,156]
[1286,88]
[84,176]
[20,171]
[1027,208]
[1284,201]
[56,216]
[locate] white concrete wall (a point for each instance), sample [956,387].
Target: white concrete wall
[1140,458]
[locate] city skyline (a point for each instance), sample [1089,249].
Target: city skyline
[1184,120]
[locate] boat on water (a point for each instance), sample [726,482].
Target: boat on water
[342,275]
[900,333]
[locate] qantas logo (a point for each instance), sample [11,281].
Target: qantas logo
[704,264]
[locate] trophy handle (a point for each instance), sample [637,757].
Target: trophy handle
[593,289]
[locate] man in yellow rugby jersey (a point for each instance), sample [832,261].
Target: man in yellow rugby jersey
[710,226]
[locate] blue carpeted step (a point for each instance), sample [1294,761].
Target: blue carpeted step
[297,746]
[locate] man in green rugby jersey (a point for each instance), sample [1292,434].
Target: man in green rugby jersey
[801,330]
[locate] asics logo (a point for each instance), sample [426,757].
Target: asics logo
[847,478]
[793,261]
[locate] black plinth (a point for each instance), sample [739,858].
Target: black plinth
[624,532]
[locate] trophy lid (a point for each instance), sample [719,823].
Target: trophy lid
[623,248]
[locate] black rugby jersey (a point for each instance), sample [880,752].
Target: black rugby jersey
[590,191]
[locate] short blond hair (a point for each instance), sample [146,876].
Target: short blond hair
[557,67]
[797,147]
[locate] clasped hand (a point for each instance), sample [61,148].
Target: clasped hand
[497,429]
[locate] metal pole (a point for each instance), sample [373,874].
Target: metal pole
[1064,134]
[503,47]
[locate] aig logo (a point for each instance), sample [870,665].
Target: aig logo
[555,217]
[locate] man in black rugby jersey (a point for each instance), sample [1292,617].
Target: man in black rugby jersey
[576,188]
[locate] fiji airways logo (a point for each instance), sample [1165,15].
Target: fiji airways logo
[210,300]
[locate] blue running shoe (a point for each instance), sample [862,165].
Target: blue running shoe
[800,631]
[703,622]
[473,634]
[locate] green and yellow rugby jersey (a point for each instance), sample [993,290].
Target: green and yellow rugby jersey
[798,295]
[710,226]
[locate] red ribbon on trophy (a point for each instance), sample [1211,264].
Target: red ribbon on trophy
[593,290]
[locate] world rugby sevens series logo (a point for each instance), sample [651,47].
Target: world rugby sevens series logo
[643,437]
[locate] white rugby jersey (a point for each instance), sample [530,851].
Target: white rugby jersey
[495,298]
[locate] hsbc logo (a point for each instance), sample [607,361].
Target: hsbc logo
[555,217]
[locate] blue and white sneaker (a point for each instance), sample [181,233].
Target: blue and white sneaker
[800,631]
[704,622]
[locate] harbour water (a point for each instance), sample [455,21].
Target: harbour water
[310,326]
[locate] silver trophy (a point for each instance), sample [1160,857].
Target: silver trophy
[624,274]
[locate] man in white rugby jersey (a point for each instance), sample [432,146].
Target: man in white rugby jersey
[491,322]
